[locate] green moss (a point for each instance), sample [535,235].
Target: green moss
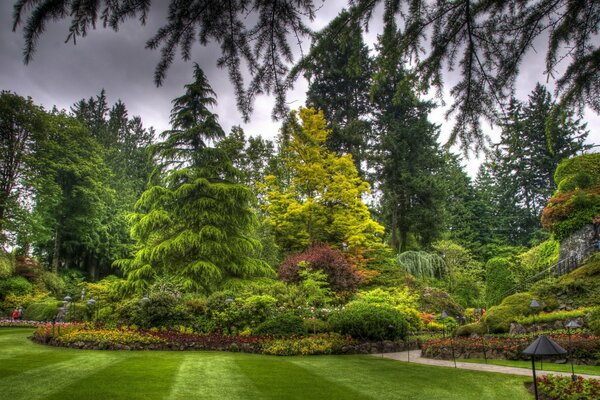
[498,318]
[580,288]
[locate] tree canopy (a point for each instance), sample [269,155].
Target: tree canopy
[486,41]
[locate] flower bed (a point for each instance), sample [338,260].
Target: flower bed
[585,347]
[326,343]
[87,336]
[9,323]
[553,387]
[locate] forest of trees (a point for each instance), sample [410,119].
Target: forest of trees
[359,170]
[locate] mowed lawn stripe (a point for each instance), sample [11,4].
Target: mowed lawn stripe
[139,375]
[38,383]
[208,375]
[280,377]
[391,379]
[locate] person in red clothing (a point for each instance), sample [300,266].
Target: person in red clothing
[16,314]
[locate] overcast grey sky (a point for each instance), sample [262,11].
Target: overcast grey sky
[60,74]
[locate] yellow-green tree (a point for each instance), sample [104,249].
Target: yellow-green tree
[321,199]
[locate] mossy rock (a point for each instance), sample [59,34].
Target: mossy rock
[498,318]
[469,329]
[580,288]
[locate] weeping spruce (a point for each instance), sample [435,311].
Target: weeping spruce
[195,225]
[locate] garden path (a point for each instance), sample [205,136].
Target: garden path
[415,356]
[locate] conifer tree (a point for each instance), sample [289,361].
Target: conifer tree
[407,161]
[338,70]
[321,199]
[195,224]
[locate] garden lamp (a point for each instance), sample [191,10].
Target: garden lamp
[542,346]
[92,303]
[572,325]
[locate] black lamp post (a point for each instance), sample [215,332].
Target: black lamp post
[92,303]
[444,317]
[535,306]
[542,346]
[572,325]
[229,300]
[67,300]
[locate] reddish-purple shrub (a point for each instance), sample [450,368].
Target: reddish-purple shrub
[341,275]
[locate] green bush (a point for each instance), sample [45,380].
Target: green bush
[594,320]
[469,329]
[331,343]
[498,318]
[16,285]
[369,322]
[283,324]
[53,283]
[316,325]
[161,310]
[7,266]
[586,163]
[499,279]
[41,311]
[553,316]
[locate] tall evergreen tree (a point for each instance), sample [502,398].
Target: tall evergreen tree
[534,139]
[407,159]
[21,123]
[196,224]
[72,194]
[321,200]
[338,70]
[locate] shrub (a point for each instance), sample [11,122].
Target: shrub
[283,324]
[577,200]
[433,300]
[41,311]
[563,388]
[53,283]
[498,279]
[594,320]
[28,267]
[331,343]
[341,275]
[422,264]
[469,329]
[16,285]
[162,309]
[7,266]
[369,322]
[498,318]
[316,325]
[552,316]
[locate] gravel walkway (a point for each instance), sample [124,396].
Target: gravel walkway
[415,356]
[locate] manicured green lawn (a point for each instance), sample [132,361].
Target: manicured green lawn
[545,366]
[30,371]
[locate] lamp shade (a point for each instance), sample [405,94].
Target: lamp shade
[573,325]
[544,346]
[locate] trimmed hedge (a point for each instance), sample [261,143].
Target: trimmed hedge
[369,322]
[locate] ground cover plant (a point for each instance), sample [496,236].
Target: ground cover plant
[69,374]
[563,388]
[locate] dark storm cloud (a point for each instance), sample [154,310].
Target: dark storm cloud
[60,74]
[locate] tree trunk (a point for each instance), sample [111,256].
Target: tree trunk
[395,241]
[56,253]
[92,264]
